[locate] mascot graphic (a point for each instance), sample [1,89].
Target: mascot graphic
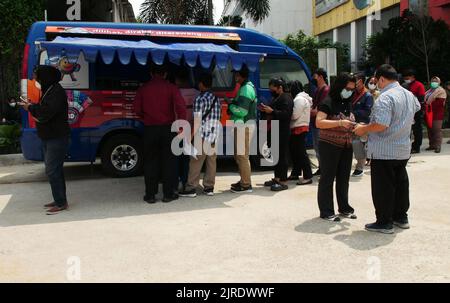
[68,68]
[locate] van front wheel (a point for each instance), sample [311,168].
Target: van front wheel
[122,156]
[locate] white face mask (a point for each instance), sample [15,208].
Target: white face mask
[408,81]
[38,85]
[372,86]
[345,94]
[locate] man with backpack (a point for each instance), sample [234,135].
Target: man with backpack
[207,112]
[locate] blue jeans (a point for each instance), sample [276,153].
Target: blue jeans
[54,151]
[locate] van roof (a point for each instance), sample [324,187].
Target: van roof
[247,36]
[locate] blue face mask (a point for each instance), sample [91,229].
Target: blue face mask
[345,94]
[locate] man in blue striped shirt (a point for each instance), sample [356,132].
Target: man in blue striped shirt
[389,147]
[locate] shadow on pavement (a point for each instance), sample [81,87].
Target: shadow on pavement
[101,197]
[364,240]
[320,226]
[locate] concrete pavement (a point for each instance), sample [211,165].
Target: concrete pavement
[109,234]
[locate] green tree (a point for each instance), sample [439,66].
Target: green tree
[195,11]
[258,10]
[174,11]
[307,47]
[16,17]
[411,41]
[235,21]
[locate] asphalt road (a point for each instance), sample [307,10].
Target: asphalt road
[110,235]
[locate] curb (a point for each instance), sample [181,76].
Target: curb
[14,159]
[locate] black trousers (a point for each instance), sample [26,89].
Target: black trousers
[282,167]
[159,160]
[390,190]
[417,129]
[300,160]
[335,164]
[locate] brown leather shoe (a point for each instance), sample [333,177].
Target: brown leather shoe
[50,205]
[56,210]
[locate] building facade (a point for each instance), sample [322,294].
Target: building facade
[90,10]
[286,17]
[352,21]
[438,9]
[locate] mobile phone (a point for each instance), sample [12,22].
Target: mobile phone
[24,100]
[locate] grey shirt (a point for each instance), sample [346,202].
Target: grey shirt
[395,109]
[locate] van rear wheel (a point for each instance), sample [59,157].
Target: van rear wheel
[122,156]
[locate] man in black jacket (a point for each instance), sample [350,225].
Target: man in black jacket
[51,115]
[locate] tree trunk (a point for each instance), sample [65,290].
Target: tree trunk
[210,12]
[425,50]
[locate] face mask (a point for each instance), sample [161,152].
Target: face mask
[38,85]
[408,81]
[314,82]
[372,86]
[274,94]
[345,94]
[434,85]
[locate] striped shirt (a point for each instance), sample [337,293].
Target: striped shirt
[203,104]
[395,109]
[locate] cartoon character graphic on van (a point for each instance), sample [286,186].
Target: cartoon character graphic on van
[78,103]
[68,68]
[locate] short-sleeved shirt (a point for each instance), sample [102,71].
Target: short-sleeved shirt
[319,97]
[395,109]
[204,103]
[340,110]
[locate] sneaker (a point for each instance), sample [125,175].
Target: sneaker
[332,218]
[241,189]
[358,173]
[437,150]
[317,173]
[236,185]
[209,192]
[348,215]
[150,199]
[380,228]
[188,193]
[403,224]
[57,209]
[50,205]
[305,182]
[278,187]
[270,183]
[415,151]
[170,199]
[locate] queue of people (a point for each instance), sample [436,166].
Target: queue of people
[354,117]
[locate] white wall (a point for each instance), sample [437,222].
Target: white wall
[286,17]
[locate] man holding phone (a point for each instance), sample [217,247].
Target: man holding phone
[51,115]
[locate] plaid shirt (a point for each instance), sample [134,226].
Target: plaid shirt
[211,124]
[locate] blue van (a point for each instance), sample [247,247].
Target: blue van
[103,65]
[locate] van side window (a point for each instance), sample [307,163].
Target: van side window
[116,76]
[288,69]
